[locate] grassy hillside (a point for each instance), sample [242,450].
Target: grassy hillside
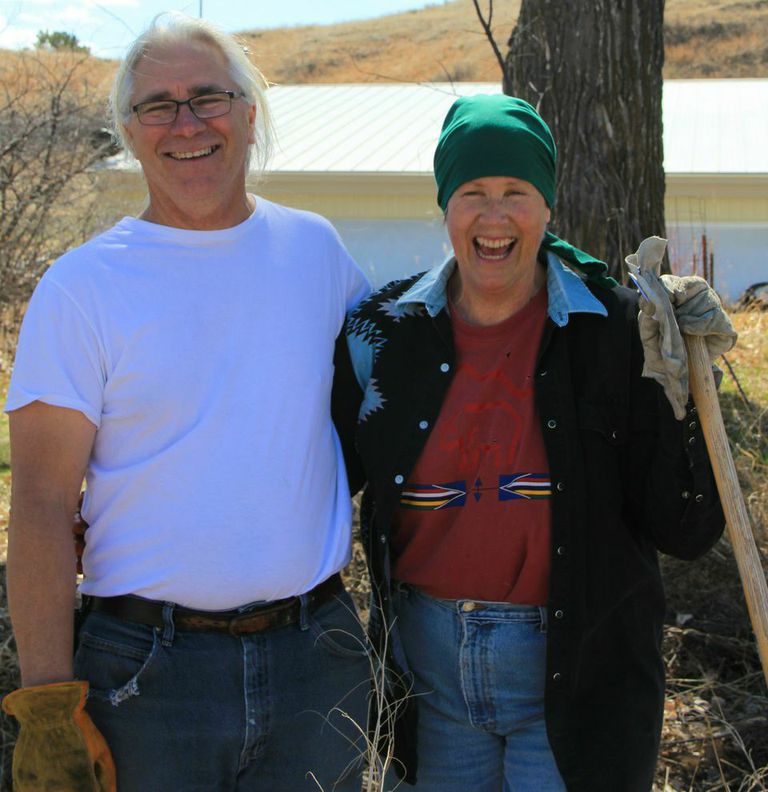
[716,38]
[440,42]
[704,38]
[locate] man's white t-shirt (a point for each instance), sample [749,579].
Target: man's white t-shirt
[205,360]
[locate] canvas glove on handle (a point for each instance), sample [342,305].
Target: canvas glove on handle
[670,305]
[59,747]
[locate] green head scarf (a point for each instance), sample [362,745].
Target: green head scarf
[498,135]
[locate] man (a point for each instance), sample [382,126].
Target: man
[182,362]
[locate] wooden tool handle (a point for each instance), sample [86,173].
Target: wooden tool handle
[739,529]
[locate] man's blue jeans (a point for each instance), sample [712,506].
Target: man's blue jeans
[185,711]
[479,677]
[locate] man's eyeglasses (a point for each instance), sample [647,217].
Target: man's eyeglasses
[164,111]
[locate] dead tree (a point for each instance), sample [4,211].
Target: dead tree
[50,137]
[593,69]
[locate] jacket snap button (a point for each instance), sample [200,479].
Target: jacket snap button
[444,367]
[691,440]
[614,435]
[561,550]
[423,424]
[552,423]
[559,614]
[560,486]
[692,425]
[699,498]
[399,479]
[557,676]
[685,494]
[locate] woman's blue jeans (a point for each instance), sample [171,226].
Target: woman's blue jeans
[479,677]
[184,711]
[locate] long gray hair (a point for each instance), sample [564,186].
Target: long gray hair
[170,28]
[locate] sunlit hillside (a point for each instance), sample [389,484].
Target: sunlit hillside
[704,38]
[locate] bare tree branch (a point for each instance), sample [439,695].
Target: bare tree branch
[486,23]
[49,120]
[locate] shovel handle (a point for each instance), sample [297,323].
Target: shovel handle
[704,393]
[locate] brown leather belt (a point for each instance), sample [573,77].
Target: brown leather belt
[279,613]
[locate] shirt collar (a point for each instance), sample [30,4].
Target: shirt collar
[566,291]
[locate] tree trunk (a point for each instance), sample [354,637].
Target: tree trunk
[593,69]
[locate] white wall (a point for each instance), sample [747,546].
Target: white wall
[388,249]
[740,253]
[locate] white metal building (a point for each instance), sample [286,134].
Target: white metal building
[362,156]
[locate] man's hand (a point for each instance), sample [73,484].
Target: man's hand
[58,747]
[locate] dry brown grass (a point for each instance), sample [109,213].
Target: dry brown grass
[716,38]
[716,727]
[92,76]
[441,42]
[704,38]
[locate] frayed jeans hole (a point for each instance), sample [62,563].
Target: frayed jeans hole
[119,695]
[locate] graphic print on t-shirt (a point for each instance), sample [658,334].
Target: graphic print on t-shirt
[431,497]
[474,513]
[530,486]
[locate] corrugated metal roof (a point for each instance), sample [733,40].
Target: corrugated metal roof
[710,126]
[361,128]
[715,126]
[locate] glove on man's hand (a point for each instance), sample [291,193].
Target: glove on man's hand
[59,747]
[670,304]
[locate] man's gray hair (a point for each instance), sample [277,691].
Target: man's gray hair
[171,28]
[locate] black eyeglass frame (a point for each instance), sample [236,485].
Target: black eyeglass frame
[189,102]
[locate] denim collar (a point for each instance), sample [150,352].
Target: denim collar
[566,292]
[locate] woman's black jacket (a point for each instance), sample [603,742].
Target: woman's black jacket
[628,480]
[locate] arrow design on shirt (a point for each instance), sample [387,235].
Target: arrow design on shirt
[528,486]
[431,497]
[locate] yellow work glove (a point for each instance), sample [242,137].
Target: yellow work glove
[59,747]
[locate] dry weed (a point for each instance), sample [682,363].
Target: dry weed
[716,727]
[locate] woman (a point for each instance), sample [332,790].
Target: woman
[521,477]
